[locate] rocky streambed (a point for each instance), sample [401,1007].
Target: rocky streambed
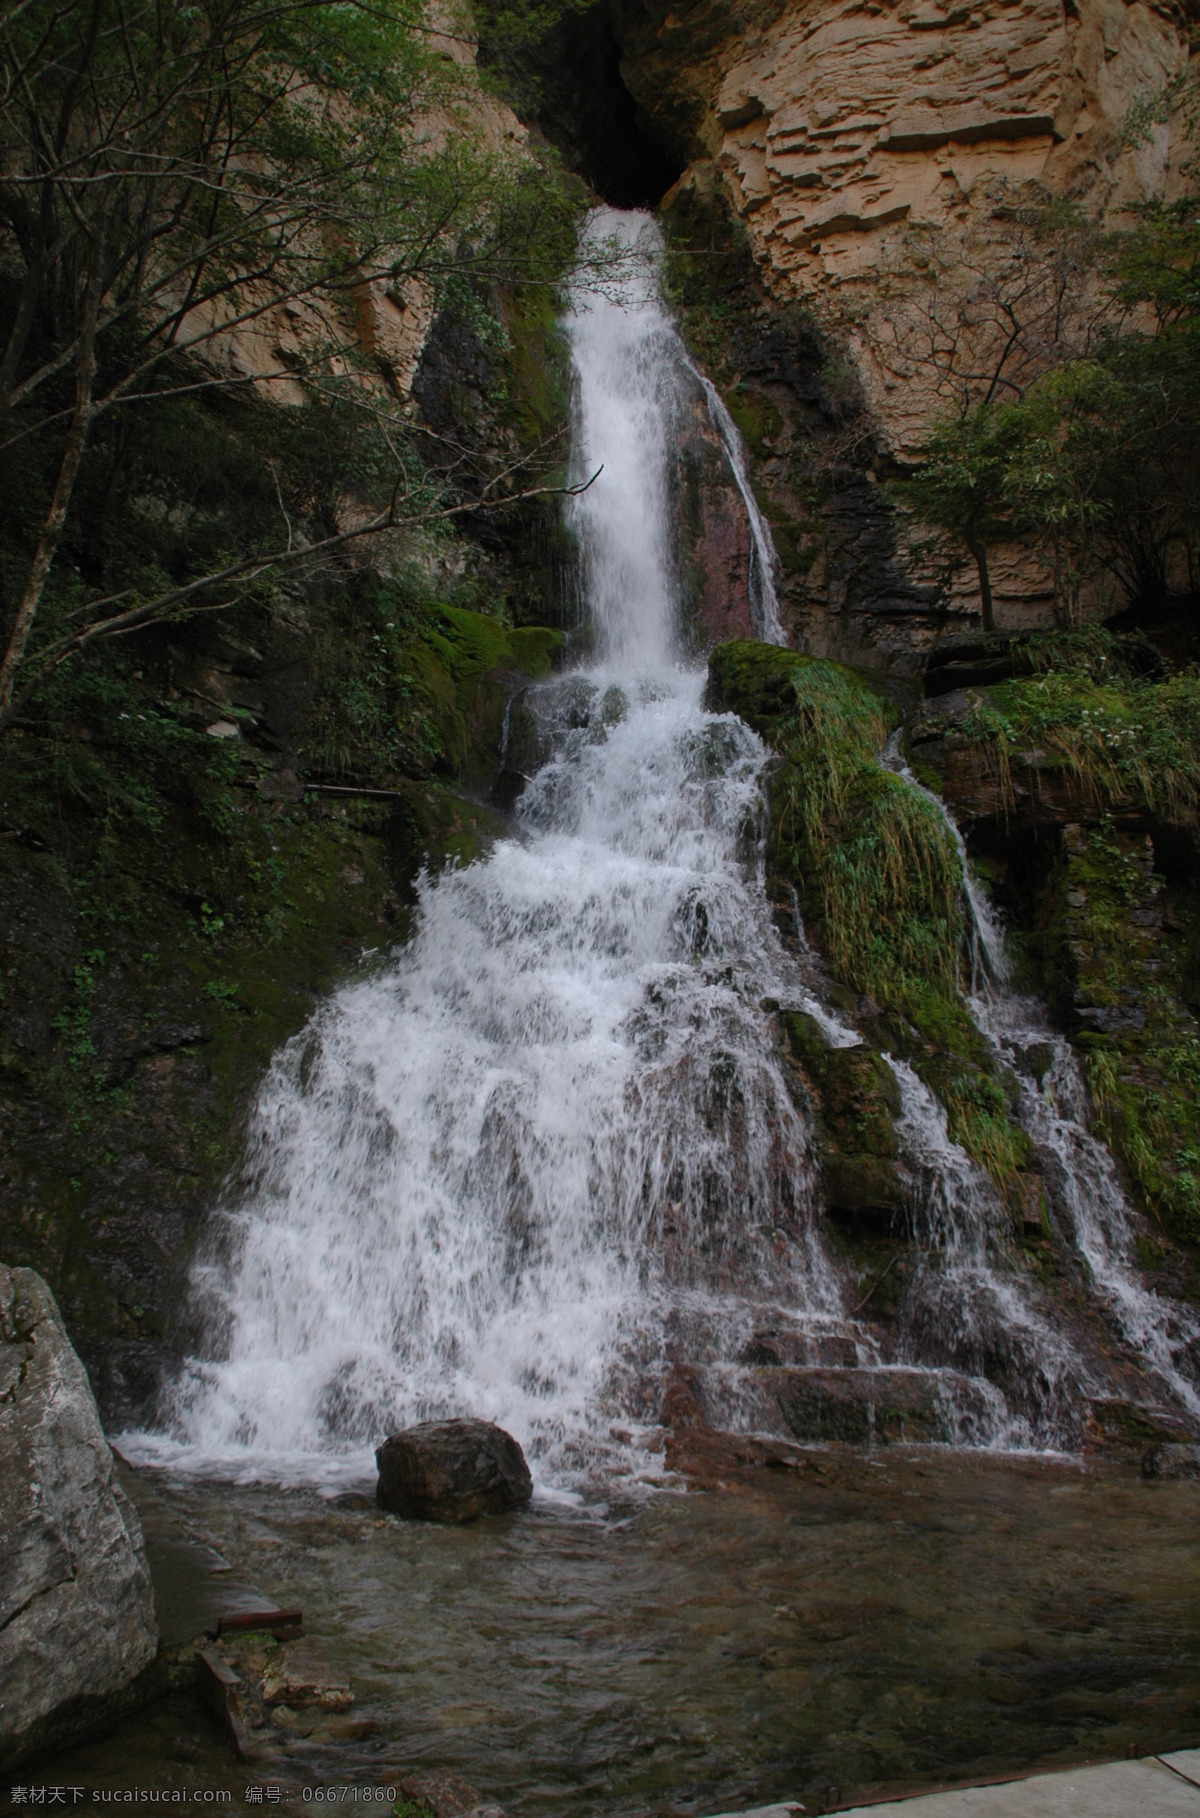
[840,1627]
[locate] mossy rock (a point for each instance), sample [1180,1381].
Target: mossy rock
[857,1092]
[857,1100]
[879,879]
[466,667]
[756,414]
[754,681]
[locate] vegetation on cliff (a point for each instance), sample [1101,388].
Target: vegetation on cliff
[877,875]
[210,205]
[254,664]
[1079,433]
[1110,908]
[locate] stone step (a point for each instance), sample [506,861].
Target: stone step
[853,1404]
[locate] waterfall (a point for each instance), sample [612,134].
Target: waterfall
[1085,1184]
[504,1176]
[547,1158]
[764,601]
[968,1305]
[1080,1173]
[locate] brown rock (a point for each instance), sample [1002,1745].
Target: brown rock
[451,1470]
[447,1795]
[298,1675]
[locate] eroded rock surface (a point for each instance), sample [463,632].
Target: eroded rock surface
[452,1470]
[879,157]
[77,1622]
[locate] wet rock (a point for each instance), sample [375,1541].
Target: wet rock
[258,1687]
[77,1629]
[299,1675]
[871,1406]
[451,1470]
[224,1692]
[446,1796]
[857,1099]
[714,532]
[1172,1460]
[865,1190]
[1133,1432]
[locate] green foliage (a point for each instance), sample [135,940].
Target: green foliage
[250,159]
[962,485]
[1134,743]
[877,872]
[1145,1079]
[1096,460]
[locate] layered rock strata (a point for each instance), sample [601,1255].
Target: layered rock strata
[879,158]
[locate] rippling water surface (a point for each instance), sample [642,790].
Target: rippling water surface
[856,1626]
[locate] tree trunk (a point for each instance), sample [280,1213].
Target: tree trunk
[979,551]
[68,473]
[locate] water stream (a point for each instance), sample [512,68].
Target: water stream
[1081,1178]
[552,1147]
[764,600]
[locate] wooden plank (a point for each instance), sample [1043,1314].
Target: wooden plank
[240,1621]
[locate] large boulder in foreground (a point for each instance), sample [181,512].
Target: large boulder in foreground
[451,1470]
[77,1623]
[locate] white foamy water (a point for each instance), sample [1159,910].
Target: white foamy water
[496,1178]
[1084,1181]
[1053,1110]
[969,1305]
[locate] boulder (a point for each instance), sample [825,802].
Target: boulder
[77,1629]
[451,1470]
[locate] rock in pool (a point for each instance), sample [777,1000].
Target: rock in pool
[451,1470]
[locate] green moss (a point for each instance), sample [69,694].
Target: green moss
[1112,963]
[1132,743]
[461,669]
[1118,970]
[756,415]
[877,873]
[797,544]
[539,368]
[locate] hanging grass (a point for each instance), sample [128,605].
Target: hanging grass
[1131,743]
[877,872]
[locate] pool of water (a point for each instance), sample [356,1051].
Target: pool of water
[856,1626]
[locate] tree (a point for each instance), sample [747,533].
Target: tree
[1095,461]
[173,175]
[961,487]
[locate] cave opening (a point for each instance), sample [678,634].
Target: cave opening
[568,83]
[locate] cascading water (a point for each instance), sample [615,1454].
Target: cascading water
[503,1177]
[1081,1176]
[968,1304]
[549,1155]
[764,600]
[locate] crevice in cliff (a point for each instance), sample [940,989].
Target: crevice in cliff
[568,83]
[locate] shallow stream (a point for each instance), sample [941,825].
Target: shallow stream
[858,1625]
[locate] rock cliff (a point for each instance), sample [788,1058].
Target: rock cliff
[847,134]
[878,158]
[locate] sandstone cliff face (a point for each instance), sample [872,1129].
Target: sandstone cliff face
[842,130]
[385,324]
[876,154]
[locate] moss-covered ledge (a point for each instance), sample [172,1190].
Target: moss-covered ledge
[1080,783]
[878,877]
